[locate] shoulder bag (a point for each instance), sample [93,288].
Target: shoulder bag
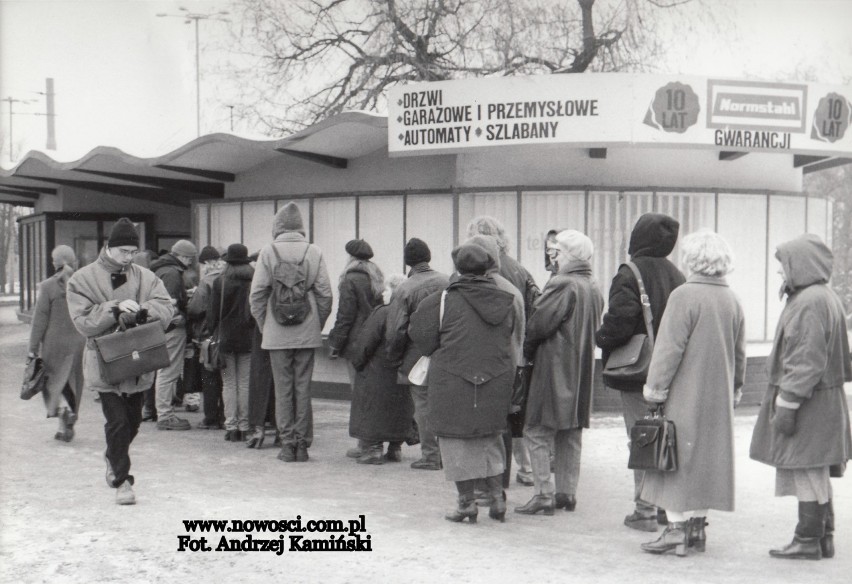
[419,374]
[629,362]
[653,444]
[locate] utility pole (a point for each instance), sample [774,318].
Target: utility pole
[12,101]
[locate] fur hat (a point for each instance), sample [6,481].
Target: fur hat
[208,252]
[185,248]
[471,258]
[288,218]
[123,233]
[359,249]
[416,252]
[237,254]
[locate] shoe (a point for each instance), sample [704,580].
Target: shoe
[371,457]
[641,522]
[675,537]
[110,474]
[394,454]
[125,495]
[174,423]
[524,480]
[564,501]
[287,454]
[277,441]
[191,408]
[801,548]
[467,509]
[66,425]
[301,452]
[497,510]
[255,439]
[826,545]
[662,518]
[236,436]
[228,434]
[205,425]
[697,536]
[149,416]
[355,452]
[482,498]
[426,465]
[537,503]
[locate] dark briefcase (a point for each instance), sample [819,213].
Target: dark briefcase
[653,444]
[132,352]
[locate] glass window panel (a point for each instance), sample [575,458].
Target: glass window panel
[541,212]
[817,217]
[225,224]
[430,218]
[693,211]
[742,222]
[380,224]
[81,236]
[200,226]
[502,206]
[334,225]
[257,224]
[304,206]
[786,221]
[611,219]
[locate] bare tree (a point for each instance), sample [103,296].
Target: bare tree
[8,243]
[307,59]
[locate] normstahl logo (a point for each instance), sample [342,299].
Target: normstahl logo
[756,105]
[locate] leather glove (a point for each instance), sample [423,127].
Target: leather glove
[784,421]
[127,319]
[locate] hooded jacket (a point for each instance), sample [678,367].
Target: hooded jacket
[472,362]
[653,238]
[170,270]
[236,327]
[808,365]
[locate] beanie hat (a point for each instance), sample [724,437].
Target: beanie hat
[237,254]
[359,249]
[576,245]
[288,218]
[208,252]
[471,258]
[489,244]
[184,248]
[123,233]
[416,252]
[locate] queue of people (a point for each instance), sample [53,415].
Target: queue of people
[478,327]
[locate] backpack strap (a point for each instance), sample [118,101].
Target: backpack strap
[304,255]
[646,302]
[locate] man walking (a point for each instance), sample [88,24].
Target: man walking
[291,300]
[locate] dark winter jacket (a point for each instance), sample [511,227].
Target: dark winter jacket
[561,335]
[236,327]
[472,366]
[653,238]
[809,364]
[520,279]
[196,309]
[357,300]
[170,270]
[422,281]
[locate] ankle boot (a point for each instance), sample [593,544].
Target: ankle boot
[565,501]
[801,548]
[497,511]
[394,453]
[538,503]
[63,426]
[697,536]
[255,438]
[826,543]
[809,531]
[674,537]
[466,504]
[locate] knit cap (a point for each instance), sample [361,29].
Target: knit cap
[416,252]
[208,252]
[184,248]
[123,233]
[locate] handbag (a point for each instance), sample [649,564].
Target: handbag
[35,378]
[131,352]
[653,444]
[630,362]
[520,390]
[419,374]
[211,349]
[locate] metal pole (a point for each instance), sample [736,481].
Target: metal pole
[197,83]
[11,142]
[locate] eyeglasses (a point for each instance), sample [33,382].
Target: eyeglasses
[124,252]
[552,251]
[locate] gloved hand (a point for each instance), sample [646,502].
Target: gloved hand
[784,421]
[127,319]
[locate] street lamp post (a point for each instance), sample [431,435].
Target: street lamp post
[188,18]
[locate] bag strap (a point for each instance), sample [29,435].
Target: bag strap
[646,302]
[441,311]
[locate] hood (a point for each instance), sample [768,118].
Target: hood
[806,260]
[654,234]
[239,272]
[489,302]
[167,260]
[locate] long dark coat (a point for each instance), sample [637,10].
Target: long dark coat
[699,357]
[356,302]
[236,326]
[381,410]
[54,338]
[561,335]
[809,363]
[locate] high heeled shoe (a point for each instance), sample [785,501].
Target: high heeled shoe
[467,509]
[697,536]
[255,439]
[497,511]
[675,537]
[537,503]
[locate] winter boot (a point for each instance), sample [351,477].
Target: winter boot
[372,454]
[566,501]
[675,537]
[809,532]
[497,511]
[697,536]
[466,504]
[394,453]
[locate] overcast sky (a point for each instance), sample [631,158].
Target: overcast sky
[126,78]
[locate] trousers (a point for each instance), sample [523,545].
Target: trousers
[123,413]
[292,370]
[568,445]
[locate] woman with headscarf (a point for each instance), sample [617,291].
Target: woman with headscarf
[360,291]
[560,341]
[468,332]
[54,338]
[696,373]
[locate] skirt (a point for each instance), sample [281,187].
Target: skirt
[472,458]
[806,484]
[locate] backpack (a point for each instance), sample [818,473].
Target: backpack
[290,304]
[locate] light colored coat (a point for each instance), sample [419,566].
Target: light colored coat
[291,246]
[54,338]
[91,299]
[699,357]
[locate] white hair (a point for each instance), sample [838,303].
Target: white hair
[485,225]
[705,252]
